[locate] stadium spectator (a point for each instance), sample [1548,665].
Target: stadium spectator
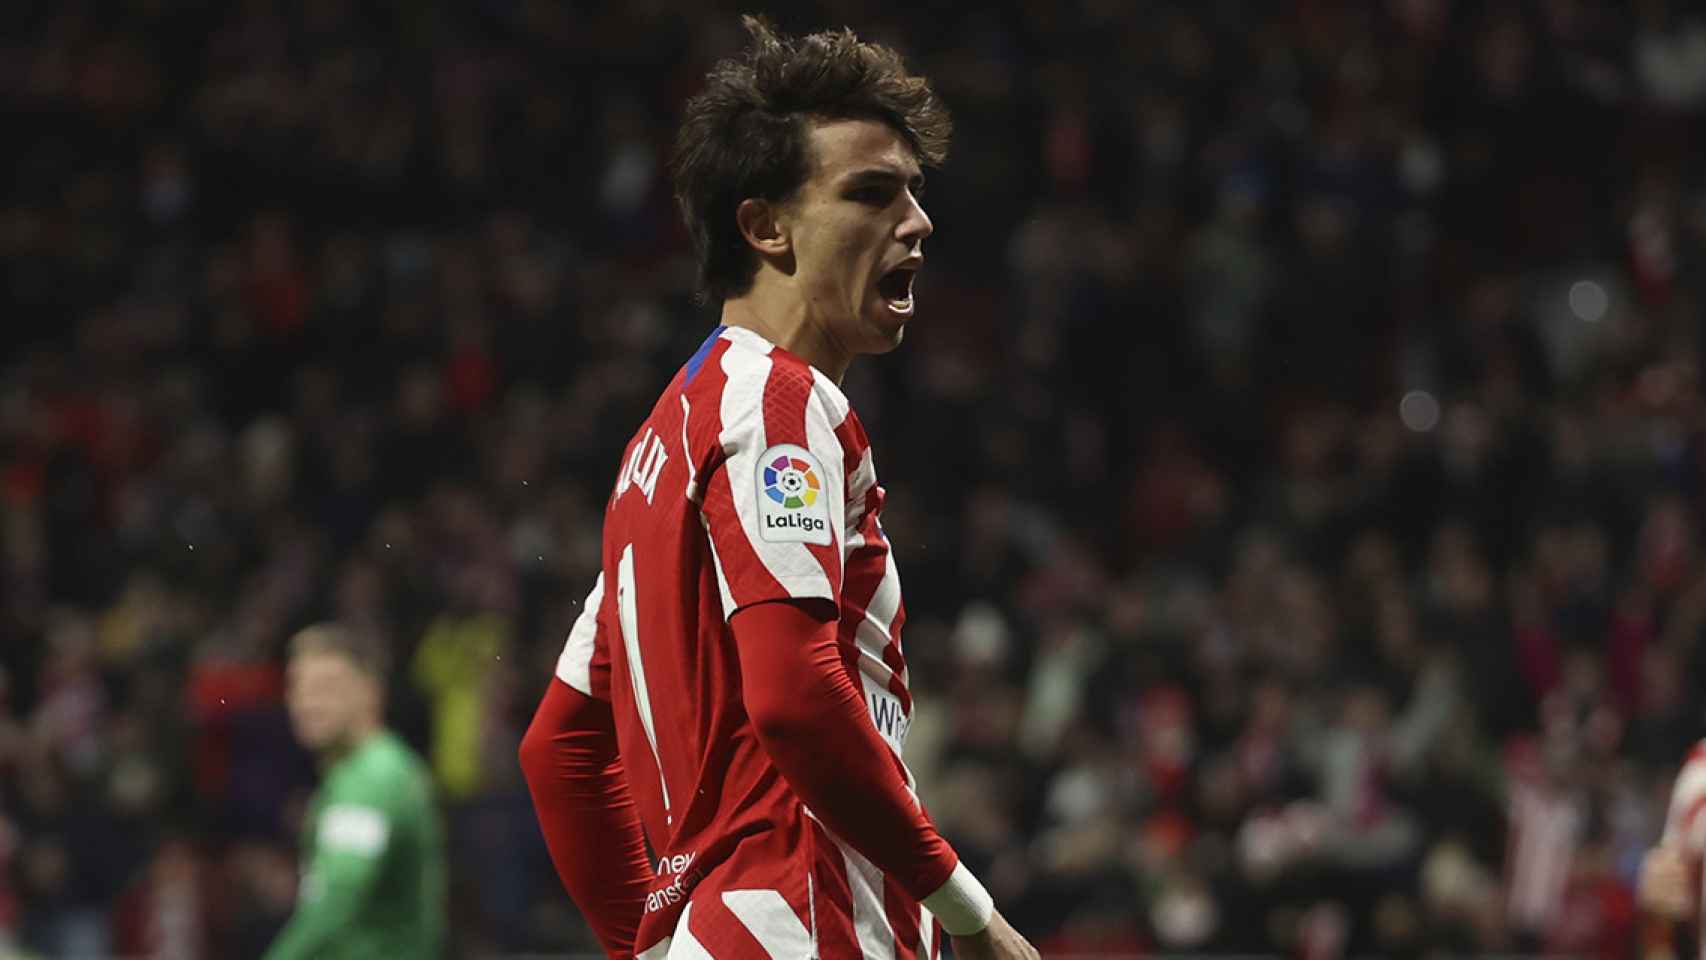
[1322,464]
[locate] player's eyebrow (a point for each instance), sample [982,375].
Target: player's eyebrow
[882,176]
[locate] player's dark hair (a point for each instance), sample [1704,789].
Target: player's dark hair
[360,647]
[745,135]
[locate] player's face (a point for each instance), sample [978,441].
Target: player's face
[326,694]
[858,231]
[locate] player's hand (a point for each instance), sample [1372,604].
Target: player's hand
[998,941]
[1664,888]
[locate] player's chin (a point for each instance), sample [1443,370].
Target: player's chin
[313,734]
[887,326]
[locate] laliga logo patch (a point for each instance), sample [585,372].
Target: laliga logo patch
[793,506]
[791,482]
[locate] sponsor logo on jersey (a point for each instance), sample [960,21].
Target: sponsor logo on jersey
[680,885]
[793,505]
[889,717]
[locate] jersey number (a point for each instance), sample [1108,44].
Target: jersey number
[627,613]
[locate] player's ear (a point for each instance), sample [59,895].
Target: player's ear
[762,228]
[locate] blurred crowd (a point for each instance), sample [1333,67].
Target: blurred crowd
[1297,467]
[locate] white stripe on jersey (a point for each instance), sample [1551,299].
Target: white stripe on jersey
[859,484]
[628,616]
[574,665]
[877,628]
[770,921]
[744,439]
[870,665]
[717,565]
[687,946]
[741,410]
[821,440]
[811,905]
[870,917]
[693,494]
[833,399]
[926,930]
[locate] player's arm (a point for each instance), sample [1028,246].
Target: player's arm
[818,732]
[350,840]
[775,509]
[574,774]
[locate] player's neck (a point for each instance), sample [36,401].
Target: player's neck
[353,740]
[778,314]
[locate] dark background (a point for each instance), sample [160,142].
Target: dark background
[1296,465]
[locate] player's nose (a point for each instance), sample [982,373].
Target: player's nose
[916,225]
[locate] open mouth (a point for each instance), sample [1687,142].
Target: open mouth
[896,288]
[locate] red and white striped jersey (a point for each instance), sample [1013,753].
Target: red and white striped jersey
[750,481]
[1685,824]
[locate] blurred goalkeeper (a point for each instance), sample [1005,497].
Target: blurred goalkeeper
[717,765]
[373,878]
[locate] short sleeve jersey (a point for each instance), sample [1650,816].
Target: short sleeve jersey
[750,481]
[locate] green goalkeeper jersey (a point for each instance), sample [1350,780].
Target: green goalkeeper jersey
[373,879]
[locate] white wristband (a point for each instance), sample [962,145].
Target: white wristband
[962,904]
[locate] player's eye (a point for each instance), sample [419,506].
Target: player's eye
[877,195]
